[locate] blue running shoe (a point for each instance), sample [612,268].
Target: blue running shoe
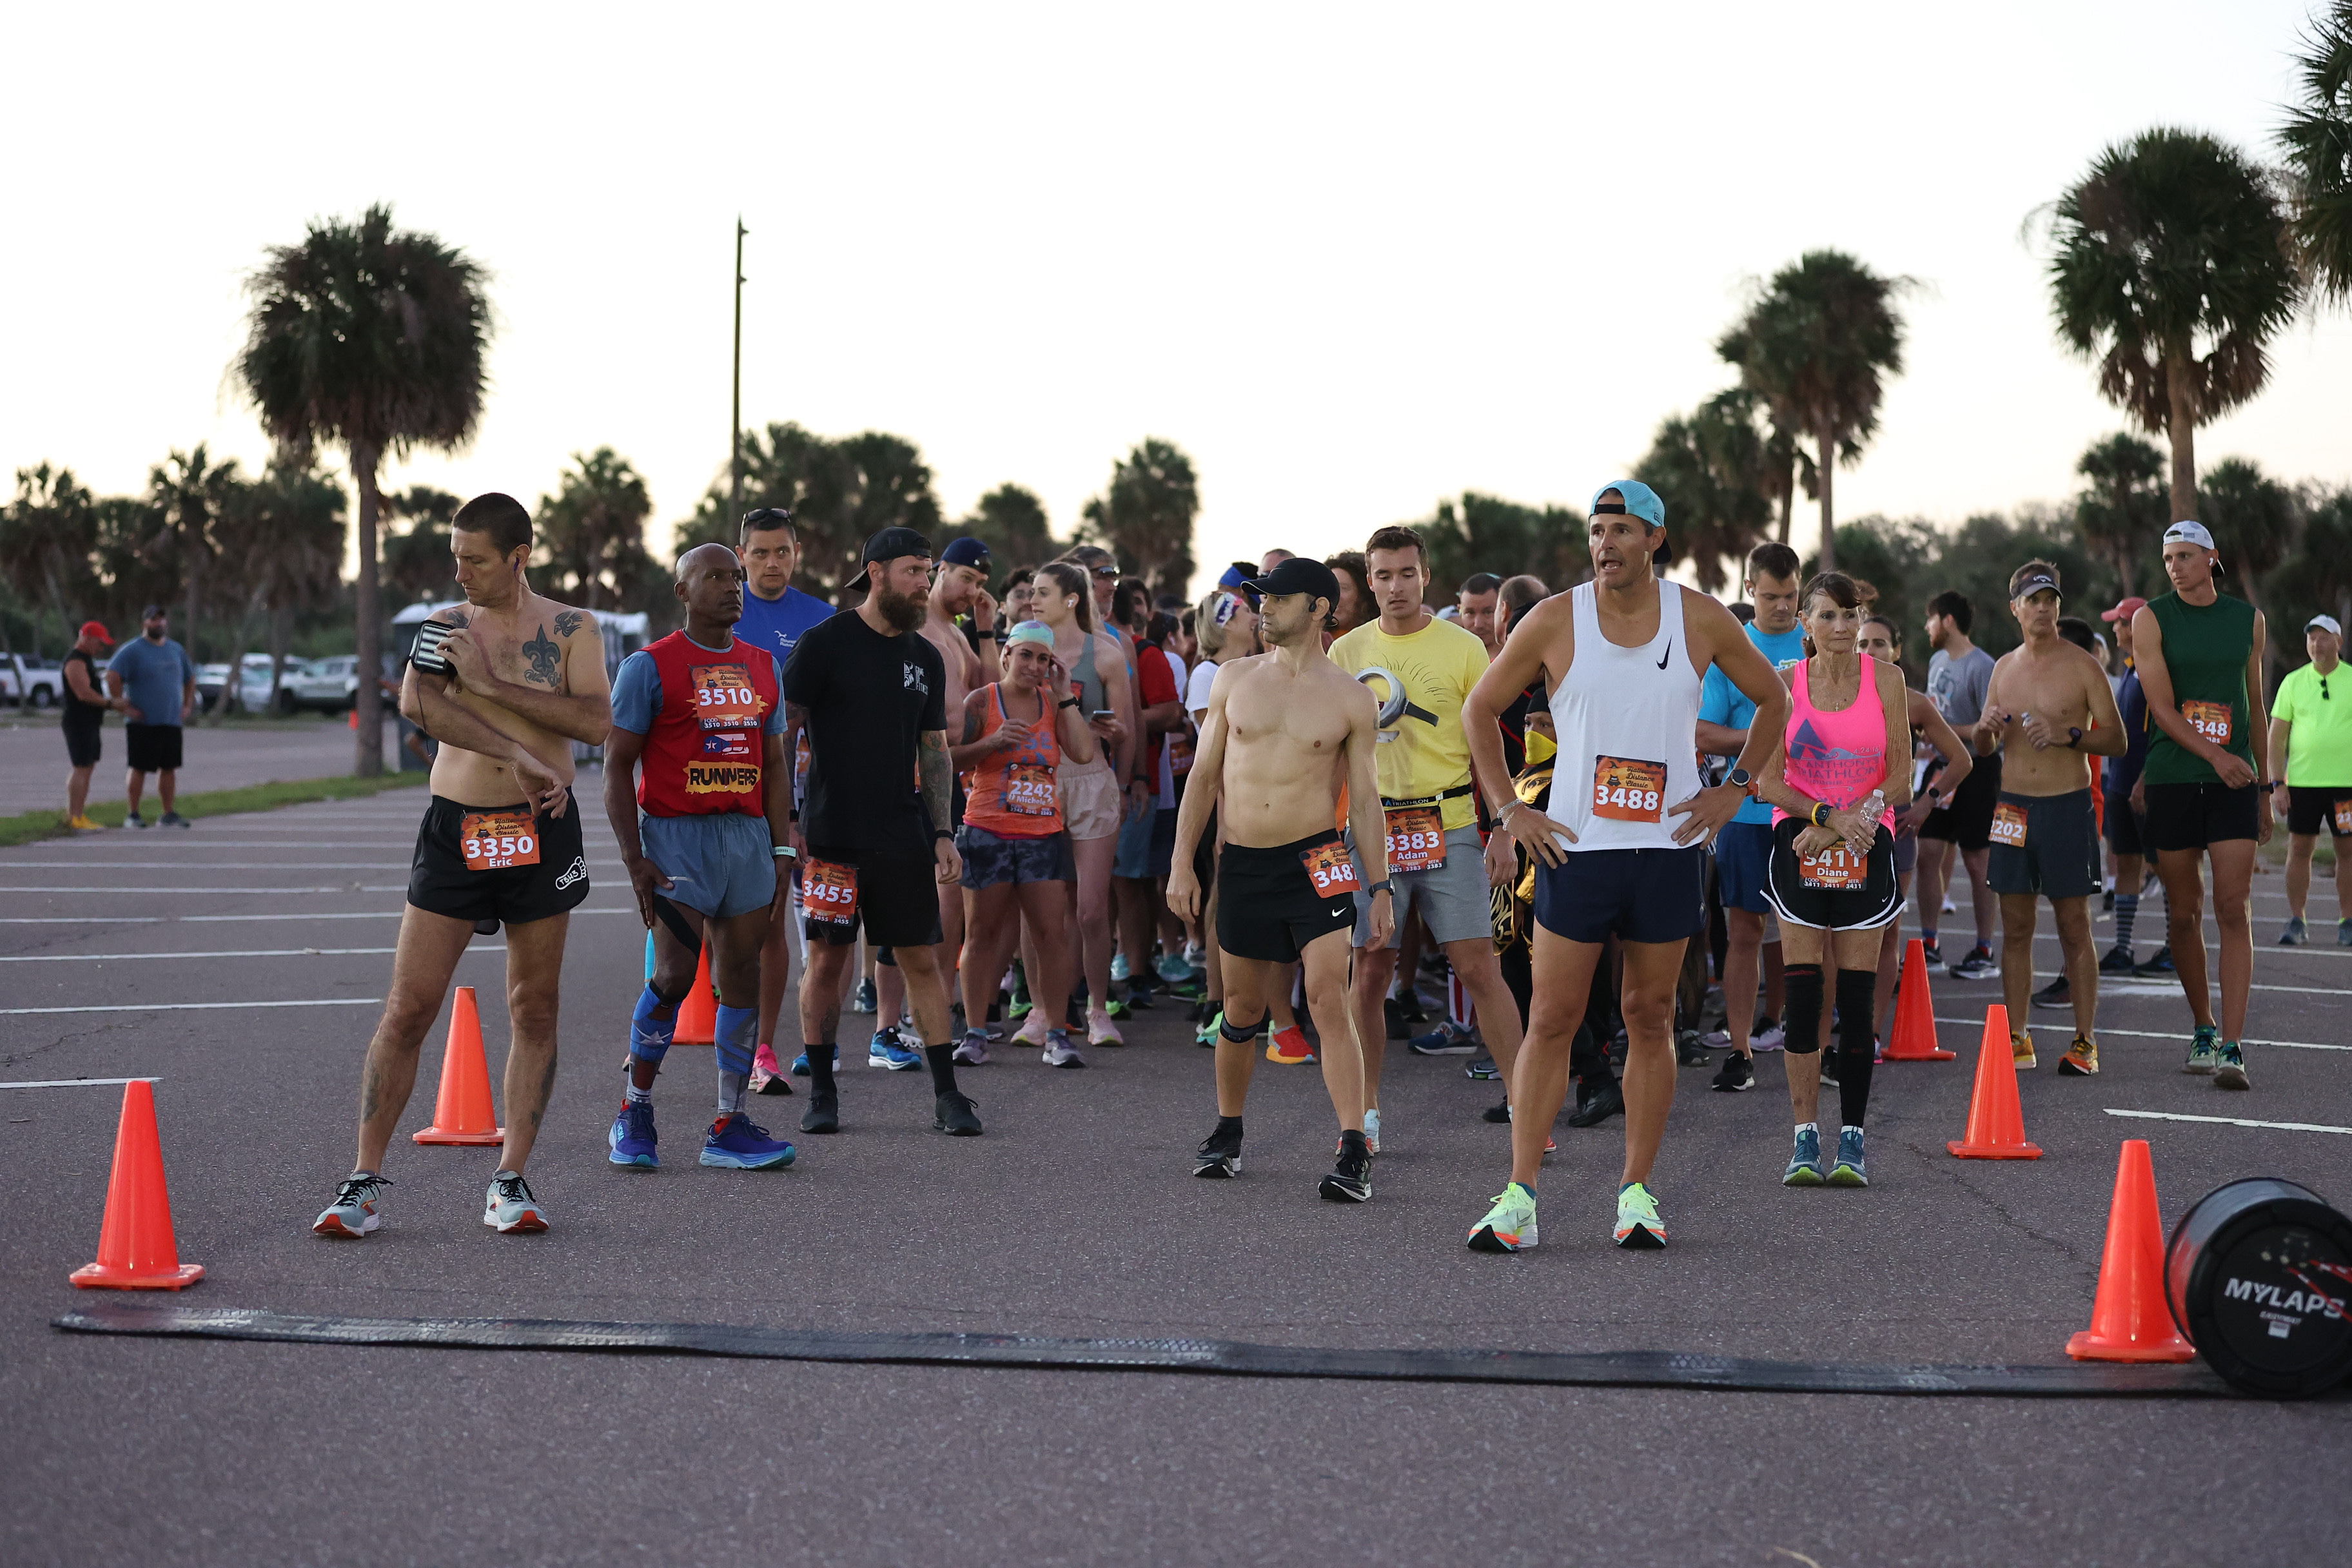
[737,1145]
[861,1000]
[800,1067]
[1448,1040]
[1849,1171]
[633,1139]
[1804,1164]
[887,1052]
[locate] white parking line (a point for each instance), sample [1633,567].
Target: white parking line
[249,953]
[88,919]
[74,1082]
[202,1006]
[2152,1035]
[2231,1122]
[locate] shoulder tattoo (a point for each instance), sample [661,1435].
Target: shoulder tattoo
[454,618]
[568,621]
[543,655]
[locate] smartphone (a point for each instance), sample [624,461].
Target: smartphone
[428,656]
[1102,712]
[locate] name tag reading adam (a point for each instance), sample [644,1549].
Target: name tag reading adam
[497,840]
[1626,789]
[723,698]
[829,892]
[2210,719]
[1330,868]
[1416,836]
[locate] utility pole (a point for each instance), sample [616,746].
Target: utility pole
[735,426]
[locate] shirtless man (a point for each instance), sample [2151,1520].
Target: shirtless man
[1623,657]
[1284,730]
[2048,707]
[504,682]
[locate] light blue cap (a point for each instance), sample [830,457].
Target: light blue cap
[1037,632]
[1640,500]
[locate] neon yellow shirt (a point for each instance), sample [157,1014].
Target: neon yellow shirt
[2319,740]
[1421,680]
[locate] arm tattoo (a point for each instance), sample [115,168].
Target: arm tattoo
[543,655]
[568,621]
[456,618]
[936,776]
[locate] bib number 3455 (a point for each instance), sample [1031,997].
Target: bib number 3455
[829,892]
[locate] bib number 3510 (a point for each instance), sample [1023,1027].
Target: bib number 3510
[1627,789]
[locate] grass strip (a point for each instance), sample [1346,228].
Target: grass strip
[25,827]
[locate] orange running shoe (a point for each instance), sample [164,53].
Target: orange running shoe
[1289,1047]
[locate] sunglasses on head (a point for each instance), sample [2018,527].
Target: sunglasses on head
[769,516]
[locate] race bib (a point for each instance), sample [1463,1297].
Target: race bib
[497,840]
[2209,719]
[829,892]
[1416,839]
[1627,790]
[2008,824]
[2343,818]
[1835,870]
[1330,868]
[1030,790]
[723,698]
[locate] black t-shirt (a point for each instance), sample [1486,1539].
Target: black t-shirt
[80,715]
[869,698]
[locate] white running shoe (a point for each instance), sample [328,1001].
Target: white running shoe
[509,1208]
[1372,1131]
[354,1211]
[1031,1031]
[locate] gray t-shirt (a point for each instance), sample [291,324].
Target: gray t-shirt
[1958,686]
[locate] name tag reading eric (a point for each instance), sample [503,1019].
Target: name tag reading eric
[1331,869]
[2008,824]
[2213,720]
[1834,869]
[1416,839]
[829,892]
[723,698]
[497,840]
[1626,789]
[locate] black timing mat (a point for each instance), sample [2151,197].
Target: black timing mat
[1621,1369]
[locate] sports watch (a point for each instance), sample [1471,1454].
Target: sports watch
[1742,779]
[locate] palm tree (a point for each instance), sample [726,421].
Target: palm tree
[2172,242]
[1816,347]
[2317,142]
[416,559]
[1145,516]
[2253,518]
[592,532]
[47,535]
[1011,521]
[2321,567]
[1707,468]
[1768,455]
[2122,512]
[192,493]
[370,338]
[283,539]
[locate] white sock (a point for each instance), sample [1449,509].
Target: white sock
[1812,1127]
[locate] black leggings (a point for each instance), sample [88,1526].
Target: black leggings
[1856,993]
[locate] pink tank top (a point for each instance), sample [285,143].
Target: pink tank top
[1835,757]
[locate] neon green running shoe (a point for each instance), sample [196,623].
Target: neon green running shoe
[1509,1226]
[1638,1225]
[2204,1051]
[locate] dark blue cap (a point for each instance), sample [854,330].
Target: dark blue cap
[966,552]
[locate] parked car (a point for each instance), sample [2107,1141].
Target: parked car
[307,684]
[31,683]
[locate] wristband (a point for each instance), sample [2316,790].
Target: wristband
[1067,702]
[939,833]
[783,852]
[1819,816]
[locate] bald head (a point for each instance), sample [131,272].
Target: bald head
[702,557]
[710,587]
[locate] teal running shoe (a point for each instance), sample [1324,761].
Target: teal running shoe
[885,1051]
[2229,1066]
[1849,1171]
[1509,1226]
[2296,934]
[2204,1051]
[511,1208]
[1805,1164]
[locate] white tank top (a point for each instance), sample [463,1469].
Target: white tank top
[1628,725]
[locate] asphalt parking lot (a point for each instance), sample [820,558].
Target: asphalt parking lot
[240,963]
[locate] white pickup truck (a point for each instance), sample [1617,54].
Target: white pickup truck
[31,683]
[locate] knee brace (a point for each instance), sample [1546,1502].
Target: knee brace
[652,1025]
[1238,1034]
[1802,983]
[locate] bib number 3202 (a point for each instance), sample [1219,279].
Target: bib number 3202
[497,840]
[1626,789]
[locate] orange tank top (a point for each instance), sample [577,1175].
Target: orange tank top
[1015,793]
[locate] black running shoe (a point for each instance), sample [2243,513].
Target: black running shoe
[2159,965]
[1737,1074]
[954,1115]
[2057,994]
[1690,1048]
[1602,1104]
[1497,1112]
[2118,961]
[1219,1158]
[1829,1065]
[1351,1181]
[824,1112]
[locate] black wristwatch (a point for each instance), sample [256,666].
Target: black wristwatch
[1384,885]
[1067,702]
[939,833]
[1740,777]
[2074,735]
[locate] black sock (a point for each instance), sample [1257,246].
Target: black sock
[1857,993]
[820,1060]
[1232,1124]
[942,1061]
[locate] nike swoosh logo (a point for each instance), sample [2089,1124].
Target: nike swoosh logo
[1339,909]
[1668,655]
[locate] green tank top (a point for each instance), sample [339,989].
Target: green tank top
[2205,651]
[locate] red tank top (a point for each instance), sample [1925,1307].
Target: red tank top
[1014,793]
[702,755]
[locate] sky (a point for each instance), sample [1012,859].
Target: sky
[1354,259]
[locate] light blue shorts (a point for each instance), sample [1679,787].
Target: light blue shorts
[721,865]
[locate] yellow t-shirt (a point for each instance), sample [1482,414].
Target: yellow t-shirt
[1420,681]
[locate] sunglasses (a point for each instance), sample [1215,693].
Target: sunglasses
[1104,571]
[769,516]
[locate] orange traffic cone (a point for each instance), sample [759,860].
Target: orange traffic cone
[464,1114]
[697,1016]
[135,1248]
[1914,1013]
[2130,1322]
[1996,1125]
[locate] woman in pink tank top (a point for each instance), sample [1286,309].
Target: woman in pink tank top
[1844,766]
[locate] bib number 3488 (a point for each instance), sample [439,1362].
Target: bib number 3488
[1626,789]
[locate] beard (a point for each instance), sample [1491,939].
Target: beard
[905,612]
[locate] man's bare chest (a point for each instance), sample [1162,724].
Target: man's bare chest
[526,650]
[1283,714]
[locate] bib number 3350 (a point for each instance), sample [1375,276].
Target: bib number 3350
[497,840]
[1626,789]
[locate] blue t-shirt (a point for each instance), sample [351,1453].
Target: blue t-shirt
[777,624]
[1721,702]
[637,696]
[2131,702]
[155,678]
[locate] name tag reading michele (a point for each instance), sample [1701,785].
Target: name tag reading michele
[1330,868]
[1626,789]
[723,698]
[1416,839]
[497,840]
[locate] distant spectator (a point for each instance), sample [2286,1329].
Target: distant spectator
[1272,559]
[86,705]
[1354,606]
[157,681]
[1475,607]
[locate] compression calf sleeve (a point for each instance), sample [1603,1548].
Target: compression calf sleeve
[734,1038]
[1803,1026]
[1856,999]
[651,1026]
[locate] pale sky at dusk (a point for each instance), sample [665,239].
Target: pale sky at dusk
[1352,258]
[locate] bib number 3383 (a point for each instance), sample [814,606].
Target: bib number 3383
[1626,789]
[829,892]
[497,840]
[1416,839]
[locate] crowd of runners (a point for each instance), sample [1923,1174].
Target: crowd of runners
[1009,813]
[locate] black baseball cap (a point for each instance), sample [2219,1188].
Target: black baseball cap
[1299,576]
[888,545]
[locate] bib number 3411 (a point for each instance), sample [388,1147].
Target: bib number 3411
[1626,789]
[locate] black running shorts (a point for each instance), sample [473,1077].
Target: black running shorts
[898,897]
[1865,906]
[2193,816]
[1267,907]
[1968,821]
[2059,856]
[83,743]
[152,748]
[1636,895]
[2311,808]
[441,882]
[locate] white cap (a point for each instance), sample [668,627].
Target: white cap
[2194,533]
[2326,624]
